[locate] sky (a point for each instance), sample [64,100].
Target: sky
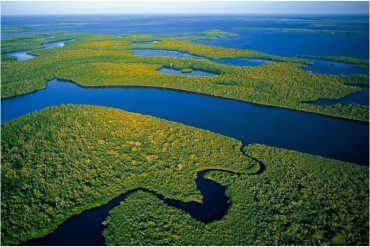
[192,7]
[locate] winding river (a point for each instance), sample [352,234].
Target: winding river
[306,132]
[86,228]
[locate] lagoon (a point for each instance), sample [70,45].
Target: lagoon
[166,53]
[58,44]
[227,61]
[20,55]
[334,68]
[361,97]
[191,73]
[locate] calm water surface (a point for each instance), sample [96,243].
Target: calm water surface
[335,68]
[242,61]
[145,42]
[86,228]
[192,73]
[165,53]
[312,133]
[20,55]
[57,44]
[227,61]
[361,98]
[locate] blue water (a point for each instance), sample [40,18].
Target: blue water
[57,44]
[361,97]
[87,228]
[241,61]
[20,55]
[192,73]
[335,68]
[145,42]
[311,133]
[228,61]
[293,44]
[167,53]
[317,66]
[277,43]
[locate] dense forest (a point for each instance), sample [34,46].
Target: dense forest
[299,199]
[106,60]
[60,161]
[63,160]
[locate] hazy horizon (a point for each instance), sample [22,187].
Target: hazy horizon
[14,8]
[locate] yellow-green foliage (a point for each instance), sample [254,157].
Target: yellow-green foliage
[213,52]
[61,161]
[102,60]
[299,199]
[358,62]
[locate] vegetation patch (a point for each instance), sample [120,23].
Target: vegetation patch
[212,52]
[357,62]
[299,199]
[61,161]
[186,70]
[104,60]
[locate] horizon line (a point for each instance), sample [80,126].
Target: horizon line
[189,13]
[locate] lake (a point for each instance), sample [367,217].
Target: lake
[58,44]
[170,71]
[227,61]
[23,55]
[20,55]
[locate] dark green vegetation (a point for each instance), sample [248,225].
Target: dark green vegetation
[300,30]
[104,60]
[359,63]
[299,199]
[61,161]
